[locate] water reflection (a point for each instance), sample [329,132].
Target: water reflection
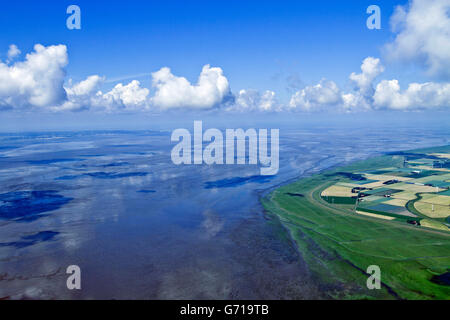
[141,227]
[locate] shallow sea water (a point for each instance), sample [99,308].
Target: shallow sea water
[141,227]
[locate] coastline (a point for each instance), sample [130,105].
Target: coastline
[311,245]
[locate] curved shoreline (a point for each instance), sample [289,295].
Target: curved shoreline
[277,204]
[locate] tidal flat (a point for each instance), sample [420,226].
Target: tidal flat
[140,227]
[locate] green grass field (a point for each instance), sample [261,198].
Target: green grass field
[339,245]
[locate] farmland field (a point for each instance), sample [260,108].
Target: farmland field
[339,240]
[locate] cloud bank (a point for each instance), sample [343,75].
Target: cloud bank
[387,94]
[38,82]
[422,36]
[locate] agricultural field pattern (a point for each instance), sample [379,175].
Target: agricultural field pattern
[417,192]
[391,211]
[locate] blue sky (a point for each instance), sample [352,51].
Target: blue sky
[258,44]
[272,50]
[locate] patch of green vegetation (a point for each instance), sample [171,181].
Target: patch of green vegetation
[339,200]
[430,223]
[389,214]
[338,244]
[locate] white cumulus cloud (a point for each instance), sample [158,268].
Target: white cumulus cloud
[81,95]
[371,68]
[355,102]
[177,92]
[13,52]
[253,100]
[38,82]
[316,97]
[423,35]
[362,97]
[86,94]
[35,82]
[428,95]
[130,97]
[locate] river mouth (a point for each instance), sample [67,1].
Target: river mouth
[140,227]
